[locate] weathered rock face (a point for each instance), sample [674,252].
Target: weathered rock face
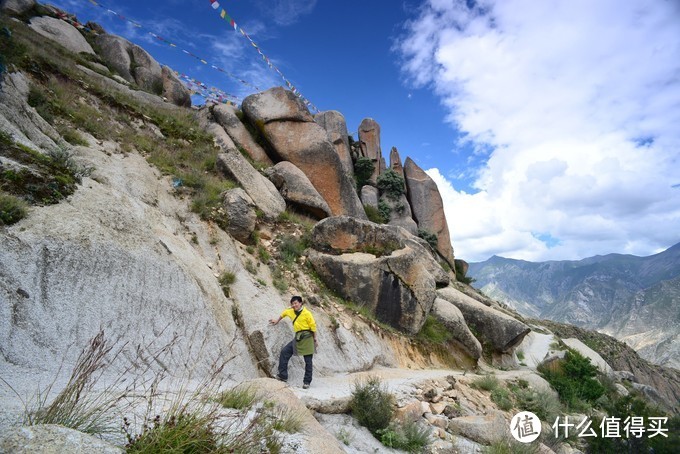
[452,318]
[16,7]
[369,195]
[290,129]
[428,208]
[297,190]
[262,191]
[53,439]
[335,125]
[173,89]
[395,162]
[401,213]
[134,64]
[501,330]
[374,266]
[369,142]
[225,116]
[61,32]
[23,124]
[240,210]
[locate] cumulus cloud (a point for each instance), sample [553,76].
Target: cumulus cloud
[574,107]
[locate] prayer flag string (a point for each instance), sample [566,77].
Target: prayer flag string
[224,15]
[171,44]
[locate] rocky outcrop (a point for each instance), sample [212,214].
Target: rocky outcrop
[452,318]
[369,195]
[262,191]
[502,331]
[16,7]
[428,208]
[400,213]
[61,32]
[336,127]
[173,90]
[226,116]
[369,143]
[295,137]
[484,429]
[395,162]
[375,267]
[53,439]
[135,65]
[240,210]
[297,190]
[23,123]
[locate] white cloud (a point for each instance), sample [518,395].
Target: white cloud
[580,103]
[286,12]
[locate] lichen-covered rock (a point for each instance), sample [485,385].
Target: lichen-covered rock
[428,208]
[297,190]
[61,32]
[501,330]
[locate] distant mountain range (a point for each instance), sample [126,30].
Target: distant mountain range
[635,299]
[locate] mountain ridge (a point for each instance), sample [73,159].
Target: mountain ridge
[603,292]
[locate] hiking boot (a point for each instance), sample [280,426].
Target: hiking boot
[305,386]
[279,378]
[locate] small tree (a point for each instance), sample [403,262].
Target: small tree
[363,169]
[392,184]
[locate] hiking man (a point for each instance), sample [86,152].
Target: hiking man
[304,342]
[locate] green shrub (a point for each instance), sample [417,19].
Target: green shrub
[574,379]
[291,248]
[371,404]
[408,436]
[374,215]
[226,280]
[392,184]
[501,397]
[431,238]
[363,169]
[385,210]
[12,209]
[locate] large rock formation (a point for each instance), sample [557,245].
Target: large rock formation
[335,125]
[62,32]
[369,142]
[502,331]
[428,208]
[225,115]
[452,318]
[375,266]
[16,7]
[297,190]
[135,65]
[296,137]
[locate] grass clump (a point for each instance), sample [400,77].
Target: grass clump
[374,215]
[12,209]
[434,331]
[408,436]
[226,280]
[239,398]
[486,383]
[183,433]
[372,405]
[430,237]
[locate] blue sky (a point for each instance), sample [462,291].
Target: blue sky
[550,127]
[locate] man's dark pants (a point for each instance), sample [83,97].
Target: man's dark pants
[286,353]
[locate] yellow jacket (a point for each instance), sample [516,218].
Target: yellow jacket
[304,322]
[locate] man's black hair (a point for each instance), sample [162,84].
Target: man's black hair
[296,298]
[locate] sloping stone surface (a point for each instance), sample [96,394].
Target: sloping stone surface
[263,192]
[428,208]
[452,318]
[503,331]
[53,439]
[61,32]
[225,116]
[240,210]
[297,190]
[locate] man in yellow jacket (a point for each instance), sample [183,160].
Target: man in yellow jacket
[304,342]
